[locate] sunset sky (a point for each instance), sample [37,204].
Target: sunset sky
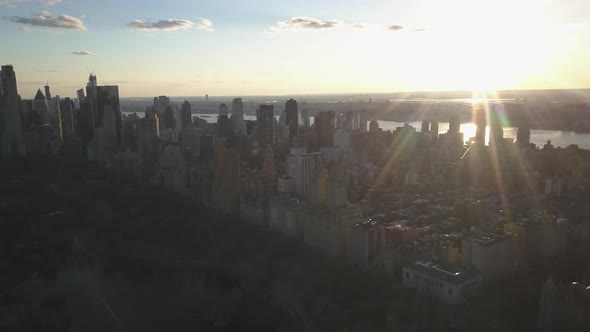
[266,47]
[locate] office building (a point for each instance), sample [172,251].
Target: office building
[363,244]
[479,118]
[492,254]
[168,119]
[225,193]
[301,166]
[68,120]
[265,125]
[292,117]
[325,124]
[223,109]
[11,131]
[286,215]
[454,124]
[186,115]
[523,136]
[238,115]
[101,97]
[40,109]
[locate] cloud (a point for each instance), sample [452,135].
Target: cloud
[172,24]
[395,27]
[309,23]
[83,53]
[419,29]
[25,29]
[45,19]
[304,23]
[13,3]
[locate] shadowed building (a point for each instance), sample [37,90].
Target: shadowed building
[265,125]
[186,115]
[292,115]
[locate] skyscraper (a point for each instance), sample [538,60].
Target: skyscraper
[223,110]
[454,124]
[168,120]
[265,125]
[101,96]
[301,166]
[434,128]
[324,124]
[292,117]
[68,121]
[186,115]
[523,136]
[425,127]
[479,118]
[11,132]
[238,115]
[40,109]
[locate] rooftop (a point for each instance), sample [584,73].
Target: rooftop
[451,276]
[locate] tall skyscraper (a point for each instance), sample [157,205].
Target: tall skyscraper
[40,109]
[301,166]
[100,97]
[479,118]
[425,126]
[68,121]
[168,120]
[324,124]
[454,124]
[305,117]
[265,125]
[11,132]
[223,109]
[186,115]
[523,136]
[292,115]
[238,115]
[434,128]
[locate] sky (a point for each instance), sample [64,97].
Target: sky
[275,47]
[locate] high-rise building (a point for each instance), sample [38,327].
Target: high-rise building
[238,115]
[425,127]
[226,181]
[265,123]
[454,124]
[223,109]
[269,170]
[162,104]
[305,118]
[186,115]
[81,97]
[480,121]
[324,124]
[374,126]
[11,131]
[100,97]
[68,120]
[40,109]
[223,126]
[434,128]
[168,119]
[523,136]
[301,166]
[148,138]
[496,131]
[292,117]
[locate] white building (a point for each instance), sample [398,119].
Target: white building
[449,287]
[301,167]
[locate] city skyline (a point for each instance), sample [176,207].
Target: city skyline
[238,48]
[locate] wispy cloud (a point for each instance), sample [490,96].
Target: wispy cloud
[13,3]
[25,29]
[304,23]
[83,53]
[46,19]
[301,23]
[172,24]
[395,27]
